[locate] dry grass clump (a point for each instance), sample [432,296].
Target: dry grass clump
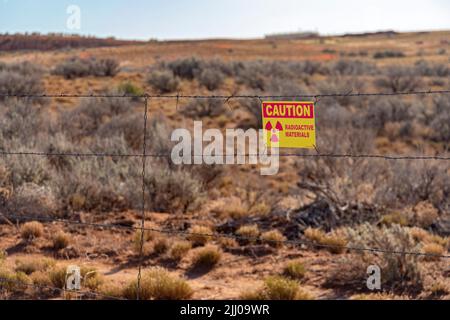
[433,251]
[158,284]
[90,277]
[31,265]
[199,235]
[227,242]
[60,240]
[207,257]
[248,233]
[31,230]
[148,236]
[13,281]
[334,243]
[278,288]
[295,270]
[160,245]
[179,249]
[273,238]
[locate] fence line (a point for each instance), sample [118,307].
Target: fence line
[226,99]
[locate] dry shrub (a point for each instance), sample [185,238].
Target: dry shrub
[207,257]
[377,296]
[20,79]
[399,79]
[199,108]
[31,230]
[212,79]
[425,214]
[31,265]
[77,68]
[334,243]
[148,236]
[90,277]
[163,81]
[60,240]
[248,233]
[199,235]
[278,288]
[228,242]
[13,281]
[186,68]
[179,249]
[388,54]
[433,251]
[173,190]
[160,245]
[295,270]
[273,238]
[157,283]
[400,272]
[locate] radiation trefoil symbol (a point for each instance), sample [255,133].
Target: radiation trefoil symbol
[274,131]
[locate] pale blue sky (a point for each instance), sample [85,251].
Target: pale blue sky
[192,19]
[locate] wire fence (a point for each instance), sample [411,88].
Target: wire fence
[302,244]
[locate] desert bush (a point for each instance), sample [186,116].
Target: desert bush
[173,190]
[77,68]
[252,75]
[207,257]
[60,240]
[401,272]
[248,233]
[388,54]
[210,78]
[90,277]
[157,283]
[424,68]
[408,183]
[295,270]
[23,125]
[440,123]
[433,251]
[164,81]
[91,114]
[13,281]
[20,79]
[199,235]
[399,79]
[130,89]
[199,108]
[334,243]
[278,288]
[186,68]
[30,199]
[179,249]
[160,245]
[31,230]
[253,107]
[273,238]
[341,85]
[148,236]
[352,68]
[31,265]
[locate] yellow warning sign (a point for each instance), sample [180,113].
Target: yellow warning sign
[289,124]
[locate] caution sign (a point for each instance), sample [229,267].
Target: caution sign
[289,124]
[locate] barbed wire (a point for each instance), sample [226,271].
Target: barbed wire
[213,96]
[223,235]
[165,155]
